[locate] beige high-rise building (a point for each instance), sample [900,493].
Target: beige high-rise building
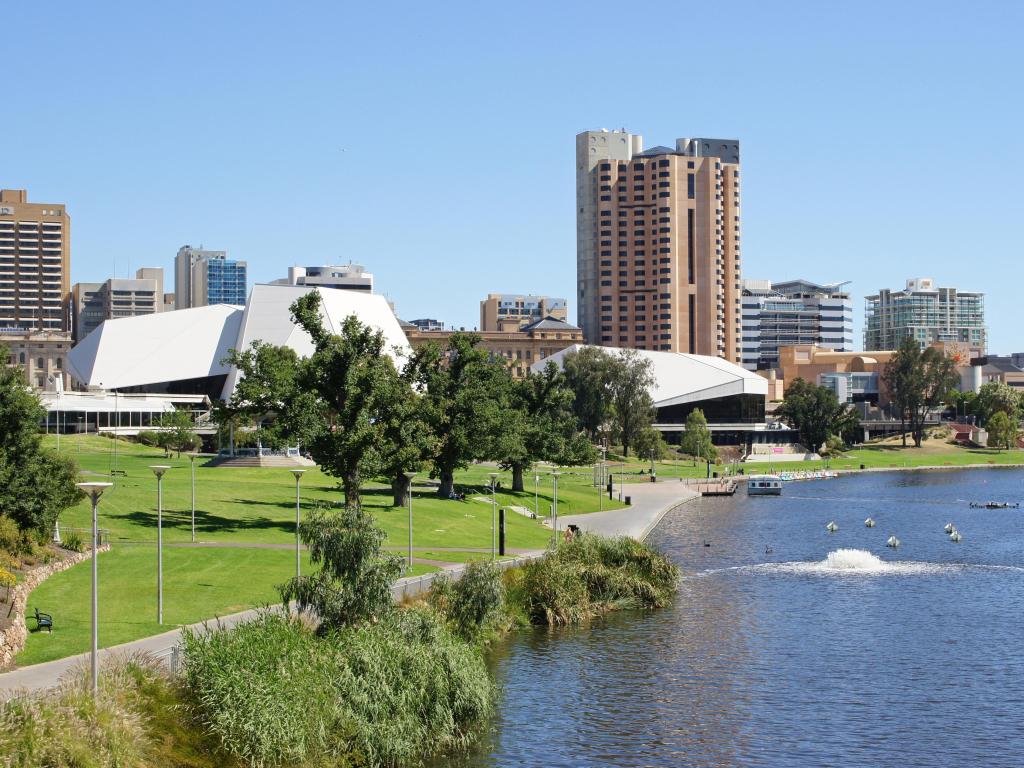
[510,312]
[658,244]
[93,303]
[35,264]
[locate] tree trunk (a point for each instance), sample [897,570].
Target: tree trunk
[447,485]
[903,427]
[400,488]
[517,477]
[350,485]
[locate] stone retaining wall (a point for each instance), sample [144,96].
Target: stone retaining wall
[12,639]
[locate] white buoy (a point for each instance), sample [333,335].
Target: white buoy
[949,528]
[869,523]
[892,542]
[832,527]
[955,536]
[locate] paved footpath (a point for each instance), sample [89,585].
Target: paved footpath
[651,502]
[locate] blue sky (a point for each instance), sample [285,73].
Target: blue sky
[880,141]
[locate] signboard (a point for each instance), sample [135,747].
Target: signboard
[6,210]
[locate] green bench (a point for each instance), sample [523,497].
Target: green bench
[44,620]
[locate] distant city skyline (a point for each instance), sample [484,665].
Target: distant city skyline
[439,160]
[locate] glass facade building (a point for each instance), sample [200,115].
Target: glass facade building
[226,281]
[926,314]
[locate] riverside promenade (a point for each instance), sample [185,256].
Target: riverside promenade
[651,502]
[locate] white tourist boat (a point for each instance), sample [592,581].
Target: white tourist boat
[764,485]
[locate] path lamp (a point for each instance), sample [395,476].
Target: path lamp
[494,514]
[554,507]
[536,495]
[298,473]
[598,472]
[159,470]
[192,461]
[94,491]
[409,476]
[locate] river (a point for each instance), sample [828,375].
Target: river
[877,657]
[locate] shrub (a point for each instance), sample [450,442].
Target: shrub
[7,580]
[149,437]
[474,601]
[273,692]
[73,541]
[10,535]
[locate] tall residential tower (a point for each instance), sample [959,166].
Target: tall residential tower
[204,277]
[658,243]
[925,313]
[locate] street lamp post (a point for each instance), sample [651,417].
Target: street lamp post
[494,514]
[600,488]
[298,473]
[192,461]
[554,507]
[159,470]
[94,491]
[536,495]
[409,476]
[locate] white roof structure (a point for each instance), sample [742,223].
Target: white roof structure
[190,343]
[150,349]
[681,378]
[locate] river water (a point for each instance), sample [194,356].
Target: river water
[879,657]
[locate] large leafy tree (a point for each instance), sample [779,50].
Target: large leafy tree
[466,401]
[696,440]
[816,413]
[588,373]
[177,432]
[330,402]
[36,484]
[632,407]
[1002,430]
[918,381]
[901,378]
[541,426]
[996,397]
[354,581]
[408,438]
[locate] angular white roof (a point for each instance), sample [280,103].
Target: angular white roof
[682,378]
[150,349]
[190,343]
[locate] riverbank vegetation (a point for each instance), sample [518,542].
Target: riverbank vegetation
[347,679]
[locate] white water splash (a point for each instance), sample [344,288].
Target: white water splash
[856,563]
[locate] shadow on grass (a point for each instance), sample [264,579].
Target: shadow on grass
[206,522]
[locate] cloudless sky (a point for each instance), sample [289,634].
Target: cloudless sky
[434,142]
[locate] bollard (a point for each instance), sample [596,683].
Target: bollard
[501,531]
[629,501]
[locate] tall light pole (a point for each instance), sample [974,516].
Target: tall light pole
[159,470]
[600,488]
[94,491]
[298,473]
[554,506]
[494,513]
[192,461]
[536,495]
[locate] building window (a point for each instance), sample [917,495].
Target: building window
[691,186]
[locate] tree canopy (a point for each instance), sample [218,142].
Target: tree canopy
[1002,430]
[918,382]
[816,413]
[696,440]
[36,484]
[996,397]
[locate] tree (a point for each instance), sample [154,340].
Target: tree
[996,397]
[355,577]
[632,407]
[466,400]
[1002,430]
[264,390]
[177,432]
[900,378]
[936,375]
[651,443]
[36,484]
[541,425]
[696,440]
[406,432]
[588,373]
[330,402]
[816,413]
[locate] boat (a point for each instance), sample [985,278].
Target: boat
[764,485]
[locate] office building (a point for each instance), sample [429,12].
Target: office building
[203,277]
[926,314]
[519,348]
[427,324]
[92,303]
[35,264]
[508,312]
[349,277]
[793,313]
[658,244]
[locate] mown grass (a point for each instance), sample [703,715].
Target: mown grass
[199,584]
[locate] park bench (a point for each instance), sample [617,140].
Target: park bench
[118,473]
[44,620]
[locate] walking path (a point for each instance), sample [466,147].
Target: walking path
[651,502]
